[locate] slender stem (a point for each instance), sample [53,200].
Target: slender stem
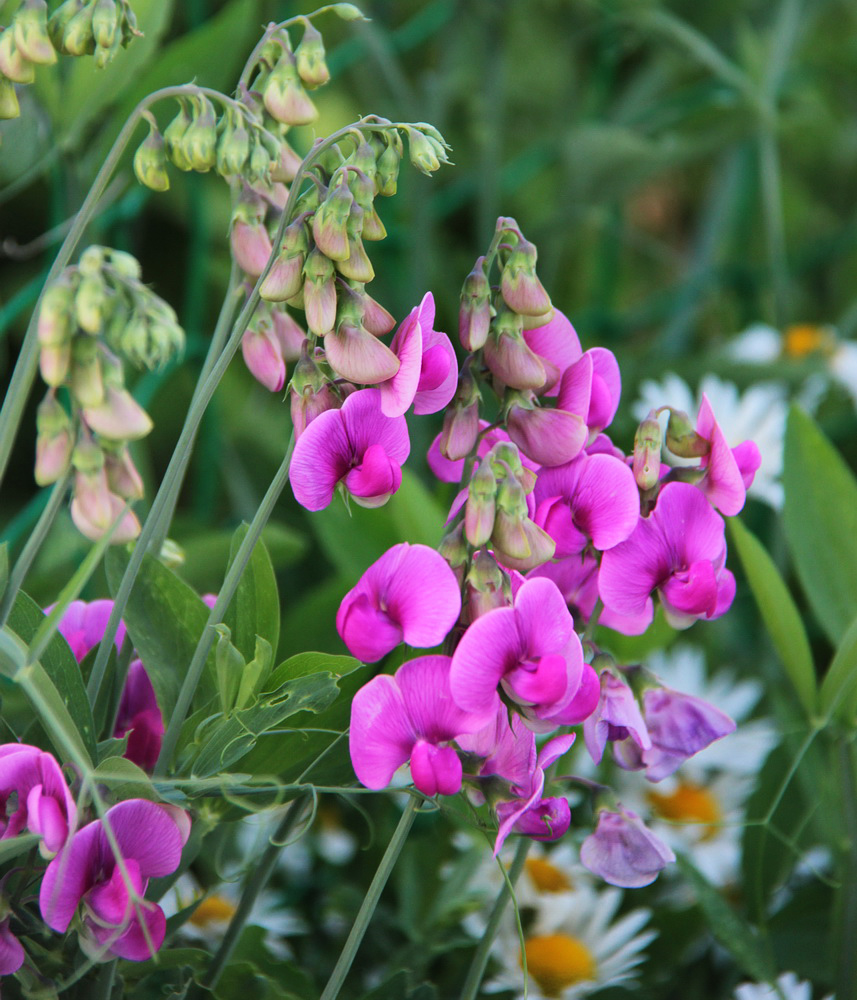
[846,922]
[772,208]
[391,855]
[104,983]
[215,617]
[480,959]
[34,543]
[261,873]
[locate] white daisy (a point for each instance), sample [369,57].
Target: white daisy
[759,415]
[788,987]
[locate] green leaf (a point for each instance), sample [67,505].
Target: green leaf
[310,621]
[820,519]
[839,687]
[255,608]
[17,845]
[125,780]
[59,664]
[737,936]
[165,619]
[4,567]
[779,613]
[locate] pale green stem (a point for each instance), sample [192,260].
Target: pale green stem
[480,959]
[215,617]
[391,855]
[846,915]
[34,543]
[261,873]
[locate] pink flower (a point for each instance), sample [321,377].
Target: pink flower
[355,445]
[725,481]
[140,717]
[43,802]
[549,436]
[83,624]
[410,716]
[150,838]
[408,595]
[679,550]
[11,952]
[623,851]
[558,347]
[530,648]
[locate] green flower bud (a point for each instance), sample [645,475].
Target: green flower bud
[104,53]
[86,383]
[260,164]
[199,140]
[647,452]
[387,164]
[348,12]
[682,439]
[9,107]
[128,23]
[480,507]
[13,63]
[105,23]
[150,160]
[474,311]
[309,58]
[56,313]
[87,456]
[30,25]
[285,97]
[285,279]
[233,145]
[174,134]
[329,224]
[427,148]
[90,303]
[60,18]
[54,362]
[453,547]
[77,38]
[125,265]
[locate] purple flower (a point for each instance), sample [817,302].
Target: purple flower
[592,387]
[355,445]
[678,550]
[558,347]
[44,804]
[623,851]
[410,716]
[617,717]
[408,595]
[11,953]
[116,919]
[140,717]
[724,482]
[83,624]
[530,648]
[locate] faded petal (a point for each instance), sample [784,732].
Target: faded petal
[623,851]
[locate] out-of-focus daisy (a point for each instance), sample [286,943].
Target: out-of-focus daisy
[788,987]
[758,414]
[209,921]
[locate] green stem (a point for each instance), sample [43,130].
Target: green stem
[846,923]
[772,208]
[261,873]
[34,543]
[215,617]
[391,855]
[104,983]
[480,959]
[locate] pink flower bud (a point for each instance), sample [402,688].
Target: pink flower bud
[122,476]
[460,430]
[356,355]
[263,355]
[474,316]
[251,246]
[319,294]
[521,289]
[95,508]
[507,355]
[548,436]
[119,417]
[53,455]
[54,362]
[284,97]
[289,334]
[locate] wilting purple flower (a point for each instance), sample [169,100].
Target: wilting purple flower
[83,624]
[44,804]
[150,839]
[623,851]
[592,498]
[725,481]
[356,445]
[678,550]
[410,716]
[11,953]
[140,717]
[530,648]
[408,595]
[617,717]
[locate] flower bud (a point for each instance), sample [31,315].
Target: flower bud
[507,355]
[54,443]
[329,224]
[94,510]
[30,26]
[521,289]
[474,313]
[9,107]
[376,318]
[310,392]
[549,437]
[262,353]
[647,452]
[54,362]
[59,19]
[77,37]
[251,245]
[128,23]
[56,323]
[174,134]
[387,165]
[454,549]
[123,479]
[105,23]
[199,140]
[480,506]
[119,417]
[87,384]
[286,164]
[150,159]
[13,63]
[285,279]
[682,439]
[357,266]
[260,162]
[233,144]
[427,151]
[319,293]
[354,354]
[89,303]
[309,58]
[285,97]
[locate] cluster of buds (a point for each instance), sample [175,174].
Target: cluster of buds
[76,28]
[94,314]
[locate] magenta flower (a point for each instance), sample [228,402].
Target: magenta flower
[617,717]
[43,803]
[140,717]
[11,952]
[83,624]
[591,387]
[725,481]
[558,347]
[356,446]
[116,919]
[549,436]
[408,595]
[679,550]
[410,716]
[263,356]
[594,498]
[623,851]
[530,648]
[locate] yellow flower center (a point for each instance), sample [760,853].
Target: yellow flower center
[556,961]
[547,877]
[689,803]
[212,910]
[805,338]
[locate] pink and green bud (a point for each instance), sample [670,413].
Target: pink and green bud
[123,479]
[308,403]
[90,302]
[284,95]
[251,245]
[427,148]
[60,18]
[354,354]
[54,443]
[174,136]
[309,58]
[286,164]
[290,335]
[474,314]
[86,382]
[319,293]
[330,221]
[285,279]
[454,549]
[119,417]
[356,266]
[150,160]
[682,439]
[56,313]
[30,27]
[95,509]
[549,437]
[647,452]
[233,144]
[376,318]
[521,289]
[480,507]
[199,140]
[13,64]
[105,23]
[507,355]
[263,354]
[487,587]
[9,107]
[386,178]
[460,431]
[54,363]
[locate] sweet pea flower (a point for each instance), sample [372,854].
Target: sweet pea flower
[616,717]
[408,595]
[150,838]
[44,806]
[410,716]
[355,445]
[140,717]
[558,347]
[594,498]
[530,648]
[592,387]
[728,471]
[679,550]
[83,624]
[623,851]
[11,952]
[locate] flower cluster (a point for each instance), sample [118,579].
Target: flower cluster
[543,492]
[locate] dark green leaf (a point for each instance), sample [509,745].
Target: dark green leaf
[779,613]
[125,780]
[255,608]
[839,687]
[4,567]
[17,845]
[820,519]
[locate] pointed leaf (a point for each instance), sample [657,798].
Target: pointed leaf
[839,688]
[255,608]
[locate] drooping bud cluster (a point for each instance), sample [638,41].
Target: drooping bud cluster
[95,314]
[76,28]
